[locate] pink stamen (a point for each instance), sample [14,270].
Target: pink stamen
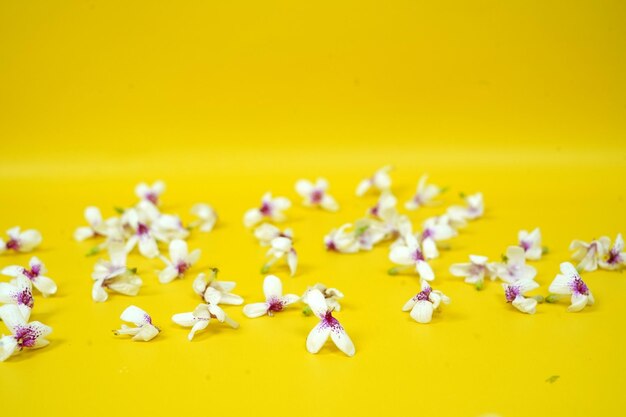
[142,229]
[26,336]
[417,255]
[511,293]
[275,305]
[316,196]
[578,286]
[266,209]
[13,244]
[182,267]
[424,295]
[153,198]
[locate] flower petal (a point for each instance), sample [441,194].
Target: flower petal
[342,340]
[272,287]
[317,337]
[12,317]
[525,305]
[255,310]
[579,301]
[422,312]
[135,315]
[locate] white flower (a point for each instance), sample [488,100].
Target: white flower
[180,261]
[316,195]
[616,257]
[20,241]
[424,303]
[24,335]
[328,326]
[271,209]
[411,255]
[267,232]
[515,268]
[514,294]
[473,210]
[475,271]
[150,193]
[44,284]
[331,295]
[435,229]
[531,243]
[385,208]
[114,275]
[589,254]
[199,318]
[18,293]
[207,217]
[275,301]
[145,330]
[338,240]
[214,291]
[380,180]
[143,235]
[369,232]
[424,195]
[168,227]
[281,247]
[570,282]
[97,227]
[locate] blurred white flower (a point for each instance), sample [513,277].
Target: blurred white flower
[114,275]
[267,232]
[34,273]
[616,257]
[24,335]
[515,268]
[424,194]
[475,271]
[144,330]
[151,193]
[97,226]
[281,247]
[339,240]
[271,210]
[589,254]
[20,241]
[207,217]
[380,181]
[316,195]
[474,208]
[180,261]
[531,243]
[411,255]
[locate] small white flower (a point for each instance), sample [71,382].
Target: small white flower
[180,261]
[435,229]
[570,282]
[168,227]
[316,195]
[514,294]
[475,271]
[199,318]
[143,235]
[424,195]
[339,240]
[331,295]
[411,255]
[214,291]
[385,208]
[589,254]
[271,210]
[474,208]
[114,275]
[24,335]
[380,180]
[369,232]
[97,226]
[19,293]
[515,268]
[281,247]
[531,243]
[150,193]
[267,232]
[424,303]
[207,217]
[144,330]
[328,326]
[275,301]
[616,257]
[44,284]
[20,241]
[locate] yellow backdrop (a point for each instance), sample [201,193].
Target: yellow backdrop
[522,100]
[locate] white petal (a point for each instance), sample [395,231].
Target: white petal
[317,337]
[272,287]
[8,346]
[146,333]
[422,312]
[231,299]
[83,233]
[402,255]
[409,304]
[134,314]
[200,284]
[255,310]
[304,188]
[515,255]
[363,186]
[7,292]
[292,261]
[98,293]
[525,305]
[148,247]
[329,203]
[178,250]
[184,319]
[315,299]
[29,239]
[289,299]
[429,249]
[12,271]
[342,340]
[460,270]
[281,203]
[579,301]
[560,285]
[12,317]
[93,216]
[117,253]
[168,274]
[198,326]
[425,271]
[252,217]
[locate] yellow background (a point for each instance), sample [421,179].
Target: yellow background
[522,100]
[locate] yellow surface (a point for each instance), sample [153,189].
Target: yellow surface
[224,101]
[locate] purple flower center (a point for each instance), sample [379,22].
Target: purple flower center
[13,244]
[476,269]
[26,337]
[330,245]
[424,295]
[511,292]
[32,273]
[330,321]
[266,209]
[614,257]
[374,210]
[153,198]
[182,267]
[25,297]
[578,286]
[316,196]
[275,305]
[525,245]
[147,318]
[142,229]
[418,255]
[428,232]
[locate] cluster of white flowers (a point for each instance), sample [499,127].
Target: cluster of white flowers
[17,295]
[145,227]
[599,253]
